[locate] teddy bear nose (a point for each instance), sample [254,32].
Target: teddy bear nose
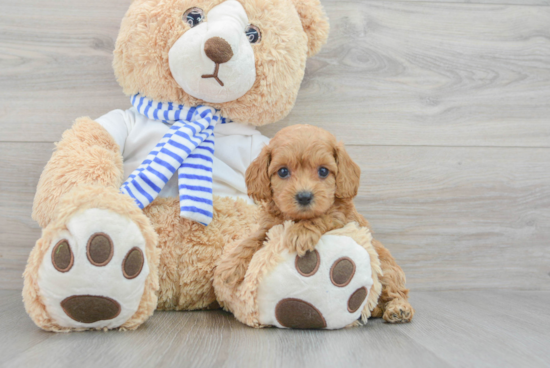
[304,198]
[218,50]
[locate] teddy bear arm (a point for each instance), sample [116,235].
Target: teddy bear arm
[86,155]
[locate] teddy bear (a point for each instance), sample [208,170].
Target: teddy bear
[137,206]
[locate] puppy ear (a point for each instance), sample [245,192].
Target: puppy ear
[314,22]
[257,178]
[349,173]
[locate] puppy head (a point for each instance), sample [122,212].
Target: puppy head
[303,170]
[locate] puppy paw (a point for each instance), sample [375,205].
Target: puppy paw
[398,311]
[301,240]
[93,274]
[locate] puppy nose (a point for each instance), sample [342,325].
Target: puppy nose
[304,198]
[218,50]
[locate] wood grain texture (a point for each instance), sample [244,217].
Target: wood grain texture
[494,2]
[460,218]
[392,73]
[20,169]
[55,65]
[455,218]
[431,74]
[450,329]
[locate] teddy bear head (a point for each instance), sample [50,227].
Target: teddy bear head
[243,57]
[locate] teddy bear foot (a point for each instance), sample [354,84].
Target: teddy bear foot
[334,286]
[326,288]
[93,274]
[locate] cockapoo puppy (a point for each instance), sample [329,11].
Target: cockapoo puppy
[306,176]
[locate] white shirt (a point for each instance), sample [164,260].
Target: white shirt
[236,146]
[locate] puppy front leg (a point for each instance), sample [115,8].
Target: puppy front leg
[393,304]
[302,236]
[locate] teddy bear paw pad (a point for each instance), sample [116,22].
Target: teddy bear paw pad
[296,313]
[326,288]
[94,273]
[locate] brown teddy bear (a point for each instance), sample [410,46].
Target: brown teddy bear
[137,206]
[216,69]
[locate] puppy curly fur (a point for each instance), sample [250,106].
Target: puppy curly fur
[302,150]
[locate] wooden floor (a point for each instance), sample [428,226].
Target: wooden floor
[445,105]
[452,329]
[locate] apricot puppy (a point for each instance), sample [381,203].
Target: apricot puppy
[306,176]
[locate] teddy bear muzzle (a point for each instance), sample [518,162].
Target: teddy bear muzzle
[219,51]
[214,60]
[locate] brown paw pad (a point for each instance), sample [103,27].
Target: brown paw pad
[100,249]
[90,308]
[342,271]
[296,313]
[308,264]
[62,256]
[356,299]
[133,263]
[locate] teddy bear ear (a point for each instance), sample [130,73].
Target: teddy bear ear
[314,22]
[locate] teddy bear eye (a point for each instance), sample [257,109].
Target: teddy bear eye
[323,172]
[253,34]
[193,16]
[283,173]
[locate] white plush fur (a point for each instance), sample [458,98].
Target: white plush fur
[188,61]
[86,279]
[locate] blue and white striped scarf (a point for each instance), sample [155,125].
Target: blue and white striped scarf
[188,147]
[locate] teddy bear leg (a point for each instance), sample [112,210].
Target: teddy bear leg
[190,251]
[95,266]
[393,304]
[331,287]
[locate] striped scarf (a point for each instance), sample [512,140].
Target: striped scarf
[188,147]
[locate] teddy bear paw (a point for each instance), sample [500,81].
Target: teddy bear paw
[93,274]
[326,288]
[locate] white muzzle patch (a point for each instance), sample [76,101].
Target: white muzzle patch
[189,62]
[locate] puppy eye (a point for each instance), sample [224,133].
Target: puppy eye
[193,16]
[323,172]
[253,34]
[283,173]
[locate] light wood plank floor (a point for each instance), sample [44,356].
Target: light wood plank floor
[445,105]
[451,329]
